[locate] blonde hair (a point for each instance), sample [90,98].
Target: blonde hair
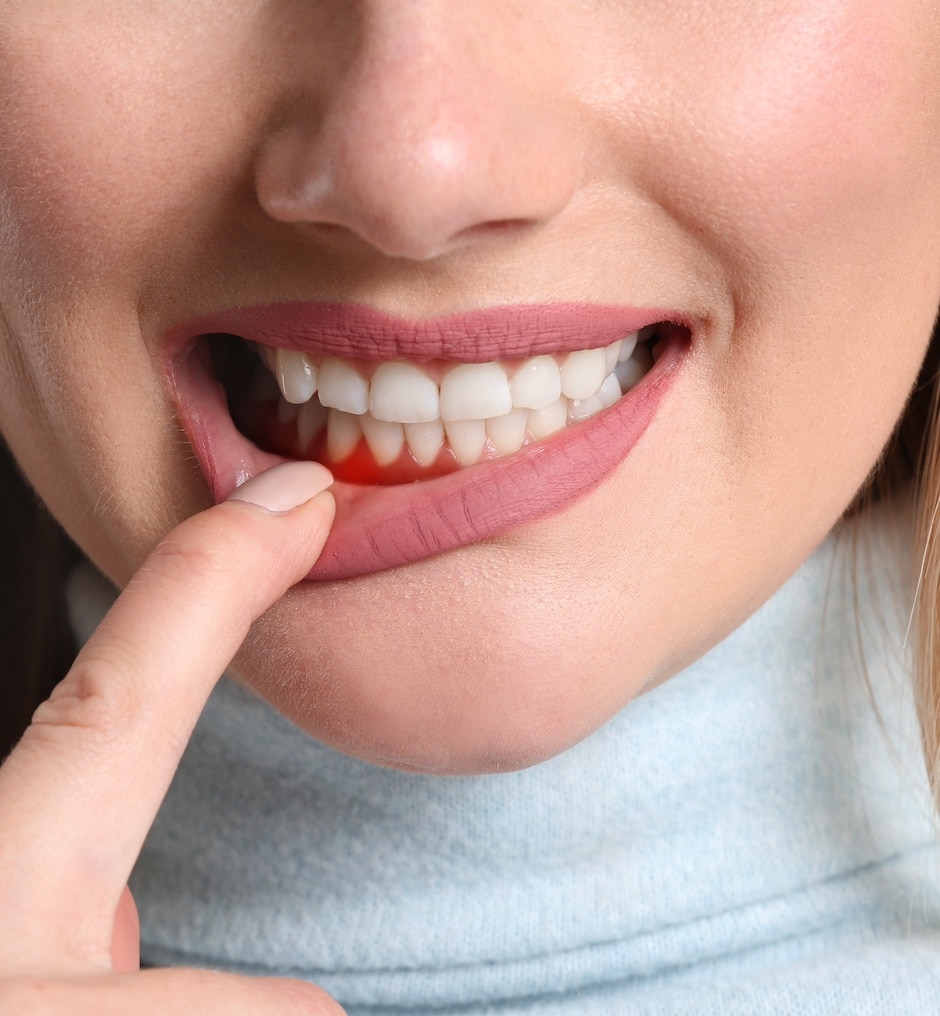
[921,424]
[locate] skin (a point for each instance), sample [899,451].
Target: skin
[771,170]
[69,941]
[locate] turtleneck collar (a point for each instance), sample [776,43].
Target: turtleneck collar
[753,836]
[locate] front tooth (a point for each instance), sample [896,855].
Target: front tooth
[583,373]
[467,439]
[425,440]
[343,432]
[296,375]
[311,419]
[635,369]
[475,392]
[341,387]
[536,383]
[543,422]
[507,432]
[385,439]
[404,393]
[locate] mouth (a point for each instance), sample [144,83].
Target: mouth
[439,433]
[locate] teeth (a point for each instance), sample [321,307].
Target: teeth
[536,384]
[635,369]
[385,439]
[267,355]
[543,422]
[425,440]
[475,391]
[475,407]
[343,388]
[610,391]
[507,432]
[584,409]
[583,373]
[311,419]
[296,375]
[627,345]
[403,393]
[343,432]
[466,439]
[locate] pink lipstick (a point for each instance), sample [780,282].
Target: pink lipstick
[379,527]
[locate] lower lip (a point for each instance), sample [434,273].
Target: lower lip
[381,527]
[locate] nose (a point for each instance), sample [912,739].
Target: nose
[437,127]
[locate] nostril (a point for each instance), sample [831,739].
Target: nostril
[499,228]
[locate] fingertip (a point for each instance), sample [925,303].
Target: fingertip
[326,501]
[283,488]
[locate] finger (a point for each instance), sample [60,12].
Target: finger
[80,791]
[125,939]
[158,992]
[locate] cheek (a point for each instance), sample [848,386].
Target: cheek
[113,132]
[109,145]
[812,137]
[816,181]
[90,441]
[64,178]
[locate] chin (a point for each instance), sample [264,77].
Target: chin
[445,704]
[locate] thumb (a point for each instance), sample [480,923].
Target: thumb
[125,943]
[79,793]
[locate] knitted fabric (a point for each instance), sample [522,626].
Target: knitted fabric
[755,836]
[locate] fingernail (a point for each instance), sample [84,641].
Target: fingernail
[285,487]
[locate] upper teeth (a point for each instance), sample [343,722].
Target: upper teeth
[404,393]
[470,402]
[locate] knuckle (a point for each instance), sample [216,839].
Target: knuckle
[199,571]
[208,561]
[179,555]
[93,701]
[198,552]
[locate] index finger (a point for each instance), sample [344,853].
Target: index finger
[80,791]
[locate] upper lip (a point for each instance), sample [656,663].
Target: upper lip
[353,331]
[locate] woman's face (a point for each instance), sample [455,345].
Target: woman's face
[432,184]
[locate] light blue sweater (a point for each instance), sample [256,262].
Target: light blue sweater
[746,839]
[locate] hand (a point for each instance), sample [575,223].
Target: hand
[80,791]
